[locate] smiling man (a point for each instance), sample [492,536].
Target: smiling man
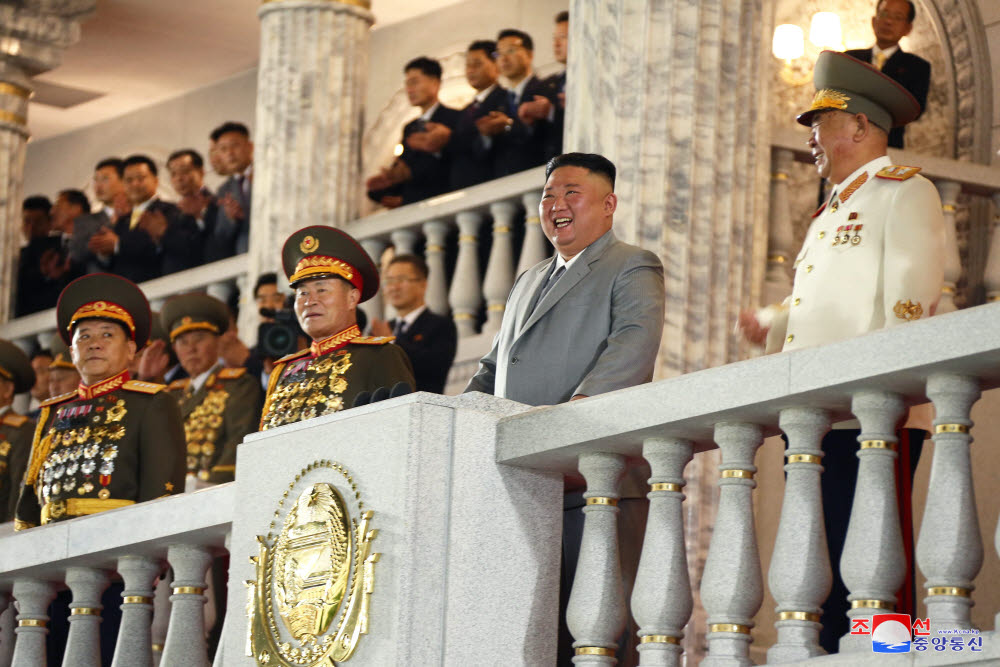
[331,274]
[588,320]
[114,441]
[218,405]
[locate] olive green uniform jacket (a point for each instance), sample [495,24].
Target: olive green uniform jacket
[16,432]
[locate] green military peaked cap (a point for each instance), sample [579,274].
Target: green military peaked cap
[105,297]
[16,367]
[60,353]
[848,84]
[325,252]
[194,312]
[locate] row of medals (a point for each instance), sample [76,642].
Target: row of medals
[201,431]
[310,390]
[4,451]
[85,449]
[844,237]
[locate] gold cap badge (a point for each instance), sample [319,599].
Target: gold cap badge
[309,244]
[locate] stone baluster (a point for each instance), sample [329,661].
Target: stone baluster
[732,587]
[33,598]
[374,307]
[661,597]
[7,613]
[436,233]
[596,611]
[134,646]
[873,564]
[800,575]
[535,247]
[161,606]
[405,241]
[466,295]
[991,276]
[83,647]
[500,267]
[949,191]
[949,549]
[185,643]
[219,652]
[780,237]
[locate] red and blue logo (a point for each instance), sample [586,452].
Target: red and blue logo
[891,633]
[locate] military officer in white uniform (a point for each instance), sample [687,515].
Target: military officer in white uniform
[873,257]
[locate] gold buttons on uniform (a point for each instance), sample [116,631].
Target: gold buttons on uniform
[809,268]
[822,235]
[790,338]
[797,301]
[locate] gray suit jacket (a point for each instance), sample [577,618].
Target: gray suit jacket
[597,329]
[227,237]
[84,227]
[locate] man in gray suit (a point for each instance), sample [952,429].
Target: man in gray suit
[587,320]
[229,233]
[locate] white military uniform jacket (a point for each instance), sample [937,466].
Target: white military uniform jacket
[873,257]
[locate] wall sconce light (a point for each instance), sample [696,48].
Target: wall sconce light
[788,44]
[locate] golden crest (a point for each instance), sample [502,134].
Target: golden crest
[827,98]
[310,601]
[907,310]
[309,244]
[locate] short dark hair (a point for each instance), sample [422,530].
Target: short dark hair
[116,163]
[269,278]
[487,46]
[132,160]
[230,126]
[37,203]
[77,198]
[416,261]
[597,164]
[913,9]
[428,66]
[41,352]
[195,156]
[563,16]
[519,34]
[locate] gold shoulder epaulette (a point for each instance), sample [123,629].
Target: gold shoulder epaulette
[293,355]
[373,340]
[898,172]
[143,387]
[231,373]
[58,399]
[178,384]
[14,419]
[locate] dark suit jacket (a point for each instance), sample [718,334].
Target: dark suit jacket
[225,237]
[524,146]
[35,292]
[139,258]
[471,160]
[430,171]
[557,82]
[430,343]
[910,71]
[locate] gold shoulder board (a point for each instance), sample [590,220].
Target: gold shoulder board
[898,172]
[57,399]
[231,373]
[143,387]
[293,355]
[373,340]
[14,419]
[178,384]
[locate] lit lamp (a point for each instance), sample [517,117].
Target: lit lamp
[824,31]
[788,44]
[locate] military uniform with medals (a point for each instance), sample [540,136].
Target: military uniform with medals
[220,412]
[15,430]
[329,375]
[108,445]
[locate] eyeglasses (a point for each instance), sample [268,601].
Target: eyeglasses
[396,281]
[892,16]
[506,52]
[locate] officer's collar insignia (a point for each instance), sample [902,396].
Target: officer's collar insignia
[337,340]
[852,188]
[104,386]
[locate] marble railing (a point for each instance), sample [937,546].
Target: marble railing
[134,544]
[949,359]
[952,179]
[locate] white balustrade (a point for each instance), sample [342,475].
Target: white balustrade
[465,295]
[949,191]
[161,611]
[185,644]
[436,232]
[661,596]
[596,611]
[83,647]
[7,614]
[800,575]
[950,549]
[374,308]
[33,597]
[732,587]
[500,267]
[134,647]
[404,241]
[535,247]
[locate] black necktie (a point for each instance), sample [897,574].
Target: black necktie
[512,104]
[548,285]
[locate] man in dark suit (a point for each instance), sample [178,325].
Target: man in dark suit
[36,288]
[557,82]
[422,170]
[587,320]
[429,340]
[231,229]
[471,158]
[893,20]
[155,238]
[187,176]
[520,135]
[109,189]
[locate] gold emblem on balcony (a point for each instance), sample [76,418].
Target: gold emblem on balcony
[310,601]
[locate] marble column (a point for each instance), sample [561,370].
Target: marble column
[35,36]
[682,108]
[310,94]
